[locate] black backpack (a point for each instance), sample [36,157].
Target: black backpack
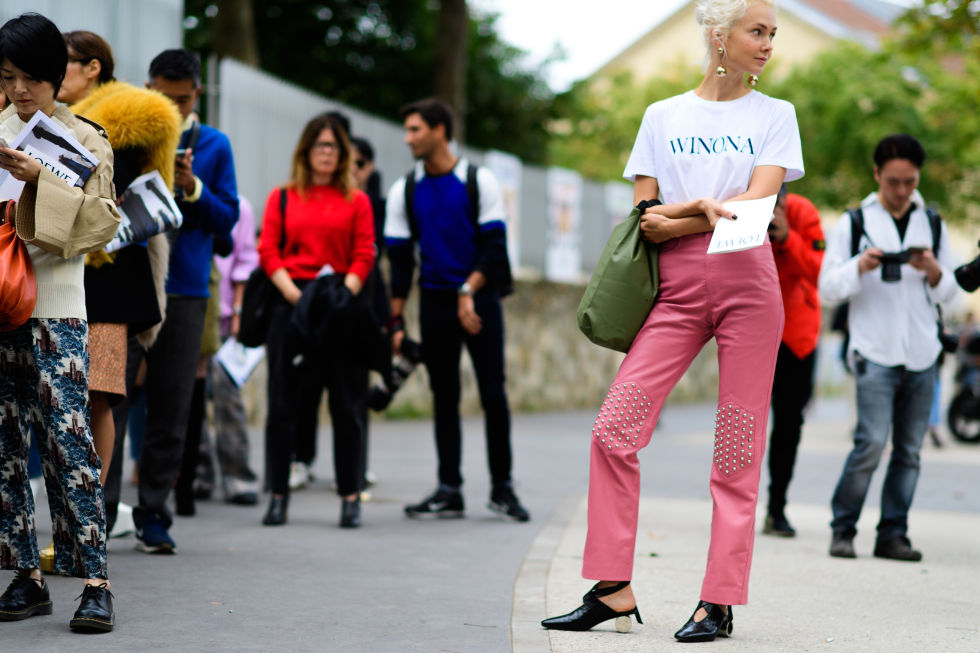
[503,279]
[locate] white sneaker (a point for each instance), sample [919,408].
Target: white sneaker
[124,522]
[300,475]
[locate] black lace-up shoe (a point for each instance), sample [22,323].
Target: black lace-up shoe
[24,598]
[504,502]
[897,548]
[446,505]
[95,610]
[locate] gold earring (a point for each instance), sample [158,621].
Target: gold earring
[721,71]
[721,50]
[753,80]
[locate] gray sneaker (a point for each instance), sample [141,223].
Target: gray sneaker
[842,546]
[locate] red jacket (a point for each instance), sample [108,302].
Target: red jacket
[798,261]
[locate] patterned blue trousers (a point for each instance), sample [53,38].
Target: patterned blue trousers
[44,383]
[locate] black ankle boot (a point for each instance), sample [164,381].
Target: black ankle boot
[593,611]
[350,513]
[718,623]
[276,515]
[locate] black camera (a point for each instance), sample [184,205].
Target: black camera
[968,274]
[381,393]
[891,264]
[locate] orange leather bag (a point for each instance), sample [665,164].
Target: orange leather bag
[18,288]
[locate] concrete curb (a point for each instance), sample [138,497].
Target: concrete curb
[526,633]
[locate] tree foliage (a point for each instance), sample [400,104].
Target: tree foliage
[926,82]
[378,55]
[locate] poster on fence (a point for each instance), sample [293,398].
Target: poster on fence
[618,202]
[508,169]
[563,255]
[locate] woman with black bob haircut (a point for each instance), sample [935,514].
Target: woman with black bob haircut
[43,382]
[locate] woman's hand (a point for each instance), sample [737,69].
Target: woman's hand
[655,227]
[713,210]
[21,166]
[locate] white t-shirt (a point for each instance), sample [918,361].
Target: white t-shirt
[698,148]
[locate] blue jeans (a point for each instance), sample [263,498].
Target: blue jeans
[888,399]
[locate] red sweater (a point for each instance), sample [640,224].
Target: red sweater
[324,228]
[798,262]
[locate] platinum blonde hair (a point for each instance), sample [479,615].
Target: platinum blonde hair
[717,17]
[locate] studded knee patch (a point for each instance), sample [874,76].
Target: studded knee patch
[734,435]
[621,417]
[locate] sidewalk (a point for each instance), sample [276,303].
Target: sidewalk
[801,599]
[482,584]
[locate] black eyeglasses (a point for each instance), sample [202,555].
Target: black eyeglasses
[81,60]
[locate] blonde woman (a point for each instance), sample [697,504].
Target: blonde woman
[721,141]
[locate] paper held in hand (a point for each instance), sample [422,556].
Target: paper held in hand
[750,230]
[147,208]
[57,150]
[238,360]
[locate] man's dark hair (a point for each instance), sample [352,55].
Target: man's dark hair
[363,148]
[35,45]
[176,65]
[434,112]
[899,146]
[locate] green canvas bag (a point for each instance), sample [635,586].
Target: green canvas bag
[623,286]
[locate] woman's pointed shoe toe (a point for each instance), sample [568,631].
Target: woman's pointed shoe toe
[717,623]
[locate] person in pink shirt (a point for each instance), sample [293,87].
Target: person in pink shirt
[239,483]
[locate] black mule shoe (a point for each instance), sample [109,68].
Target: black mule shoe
[593,611]
[350,513]
[276,515]
[718,623]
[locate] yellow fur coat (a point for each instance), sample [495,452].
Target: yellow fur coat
[139,118]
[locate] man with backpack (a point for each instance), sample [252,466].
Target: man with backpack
[891,259]
[454,213]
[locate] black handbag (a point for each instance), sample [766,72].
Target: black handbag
[260,296]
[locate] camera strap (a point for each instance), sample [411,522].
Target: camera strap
[857,230]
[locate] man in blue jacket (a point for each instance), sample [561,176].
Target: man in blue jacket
[208,198]
[455,215]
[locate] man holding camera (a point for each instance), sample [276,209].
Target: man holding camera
[894,281]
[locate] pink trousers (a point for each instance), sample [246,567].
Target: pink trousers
[736,299]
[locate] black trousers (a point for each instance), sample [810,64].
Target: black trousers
[442,341]
[171,366]
[345,379]
[791,391]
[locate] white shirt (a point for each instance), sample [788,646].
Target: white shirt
[891,323]
[699,148]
